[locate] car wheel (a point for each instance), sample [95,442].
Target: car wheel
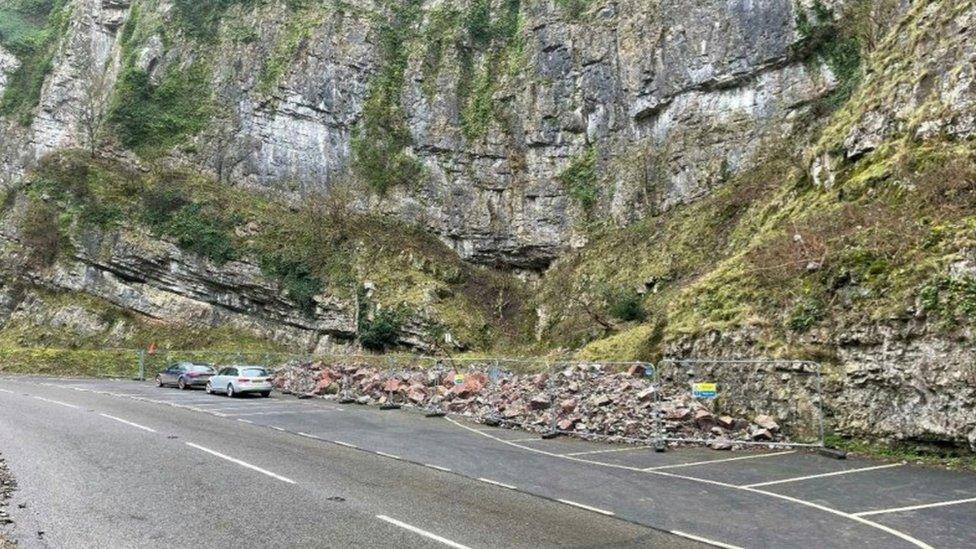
[209,388]
[159,381]
[182,384]
[230,390]
[266,394]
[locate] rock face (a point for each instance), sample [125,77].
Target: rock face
[682,94]
[157,280]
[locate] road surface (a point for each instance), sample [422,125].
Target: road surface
[117,463]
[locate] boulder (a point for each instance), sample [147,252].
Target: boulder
[766,422]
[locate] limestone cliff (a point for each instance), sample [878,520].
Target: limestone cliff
[633,178]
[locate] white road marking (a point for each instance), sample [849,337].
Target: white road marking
[587,507]
[833,474]
[245,421]
[425,533]
[705,540]
[591,452]
[306,435]
[6,391]
[724,460]
[58,402]
[439,468]
[533,439]
[384,454]
[280,412]
[496,483]
[346,444]
[823,508]
[915,507]
[276,428]
[242,463]
[129,423]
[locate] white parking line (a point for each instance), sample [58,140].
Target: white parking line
[496,483]
[58,402]
[439,468]
[6,391]
[915,507]
[883,528]
[705,540]
[532,439]
[824,475]
[129,423]
[346,444]
[587,507]
[384,454]
[725,460]
[425,533]
[306,435]
[591,452]
[242,463]
[245,421]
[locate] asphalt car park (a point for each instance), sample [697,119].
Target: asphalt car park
[761,498]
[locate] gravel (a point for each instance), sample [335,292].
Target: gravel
[7,486]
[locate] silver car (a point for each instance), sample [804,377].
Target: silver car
[185,375]
[238,380]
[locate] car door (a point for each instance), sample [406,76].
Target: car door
[229,376]
[167,374]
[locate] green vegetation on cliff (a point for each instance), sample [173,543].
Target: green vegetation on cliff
[30,29]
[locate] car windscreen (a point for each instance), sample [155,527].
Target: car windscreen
[254,372]
[199,368]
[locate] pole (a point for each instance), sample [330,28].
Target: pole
[142,365]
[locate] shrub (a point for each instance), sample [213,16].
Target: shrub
[625,304]
[40,233]
[197,231]
[381,331]
[300,285]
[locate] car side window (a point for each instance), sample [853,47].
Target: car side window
[232,371]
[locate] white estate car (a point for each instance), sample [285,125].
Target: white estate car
[237,380]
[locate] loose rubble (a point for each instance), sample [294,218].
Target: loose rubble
[585,400]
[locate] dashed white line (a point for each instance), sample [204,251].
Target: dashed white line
[6,391]
[424,533]
[496,483]
[823,475]
[587,507]
[384,454]
[306,435]
[242,463]
[710,461]
[245,421]
[705,540]
[58,402]
[915,507]
[276,428]
[346,444]
[591,452]
[438,467]
[129,423]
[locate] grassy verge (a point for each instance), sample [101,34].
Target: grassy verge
[903,451]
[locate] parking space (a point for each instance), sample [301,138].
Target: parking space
[883,489]
[730,496]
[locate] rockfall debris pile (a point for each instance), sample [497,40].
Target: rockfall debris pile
[587,400]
